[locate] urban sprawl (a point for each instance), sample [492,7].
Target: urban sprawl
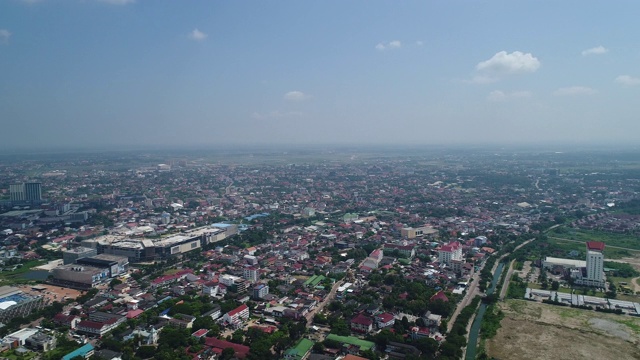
[308,255]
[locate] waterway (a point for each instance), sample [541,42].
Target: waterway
[475,327]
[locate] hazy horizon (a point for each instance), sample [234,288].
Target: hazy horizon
[161,74]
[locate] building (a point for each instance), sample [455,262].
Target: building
[411,233]
[85,351]
[407,251]
[449,252]
[595,264]
[16,193]
[98,328]
[362,324]
[237,316]
[259,291]
[251,274]
[385,320]
[15,303]
[300,351]
[117,265]
[218,346]
[41,342]
[30,192]
[70,256]
[19,338]
[79,276]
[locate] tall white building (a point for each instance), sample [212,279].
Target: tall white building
[449,252]
[595,264]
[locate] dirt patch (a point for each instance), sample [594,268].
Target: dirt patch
[52,293]
[539,331]
[519,339]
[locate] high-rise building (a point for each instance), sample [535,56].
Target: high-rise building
[33,191]
[26,192]
[16,192]
[595,264]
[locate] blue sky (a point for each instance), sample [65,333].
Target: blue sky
[132,73]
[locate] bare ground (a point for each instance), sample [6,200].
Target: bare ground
[540,331]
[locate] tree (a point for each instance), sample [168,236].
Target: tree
[227,354]
[555,285]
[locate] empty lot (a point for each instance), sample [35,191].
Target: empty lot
[540,331]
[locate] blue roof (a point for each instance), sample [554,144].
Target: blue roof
[83,351]
[221,225]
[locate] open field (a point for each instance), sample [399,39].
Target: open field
[52,292]
[15,276]
[539,331]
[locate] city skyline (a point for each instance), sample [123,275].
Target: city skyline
[123,73]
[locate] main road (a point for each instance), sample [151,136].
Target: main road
[330,296]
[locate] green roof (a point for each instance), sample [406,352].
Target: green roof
[309,280]
[352,340]
[83,351]
[300,350]
[317,280]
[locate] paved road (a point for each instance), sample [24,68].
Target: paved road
[472,291]
[473,288]
[505,283]
[324,302]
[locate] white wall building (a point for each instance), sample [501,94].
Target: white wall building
[449,252]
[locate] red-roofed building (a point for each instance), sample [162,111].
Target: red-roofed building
[385,320]
[449,252]
[237,316]
[362,323]
[132,314]
[595,246]
[200,333]
[439,296]
[218,346]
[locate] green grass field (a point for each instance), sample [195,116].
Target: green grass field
[15,276]
[621,240]
[609,253]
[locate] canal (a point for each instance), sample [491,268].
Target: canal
[475,327]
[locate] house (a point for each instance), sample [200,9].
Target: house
[70,321]
[385,320]
[210,288]
[362,323]
[214,313]
[237,316]
[439,296]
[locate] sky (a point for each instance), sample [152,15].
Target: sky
[122,73]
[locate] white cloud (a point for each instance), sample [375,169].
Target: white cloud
[197,35]
[627,80]
[419,43]
[115,2]
[296,96]
[574,90]
[4,36]
[277,114]
[498,95]
[598,50]
[395,44]
[513,63]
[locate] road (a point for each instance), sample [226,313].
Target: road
[324,302]
[472,291]
[505,284]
